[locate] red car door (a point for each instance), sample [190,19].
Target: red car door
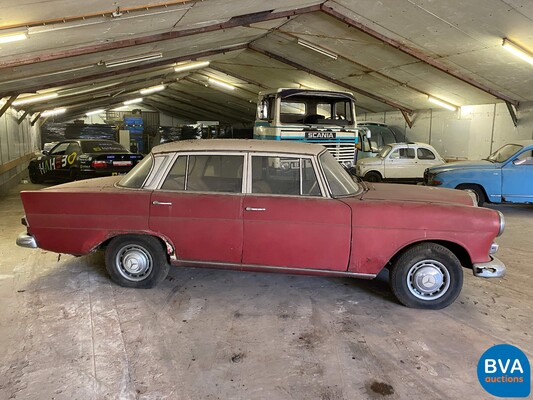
[202,215]
[294,230]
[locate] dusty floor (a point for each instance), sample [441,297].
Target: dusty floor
[67,332]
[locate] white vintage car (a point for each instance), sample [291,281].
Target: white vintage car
[399,162]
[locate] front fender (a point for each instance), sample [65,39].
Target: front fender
[490,181]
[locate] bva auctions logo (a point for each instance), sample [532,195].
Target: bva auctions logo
[504,371]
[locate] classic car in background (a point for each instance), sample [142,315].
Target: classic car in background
[70,160]
[267,206]
[505,176]
[399,162]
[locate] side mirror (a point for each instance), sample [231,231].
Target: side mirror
[46,152]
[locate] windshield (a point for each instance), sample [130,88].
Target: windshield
[311,110]
[504,153]
[340,182]
[384,151]
[136,177]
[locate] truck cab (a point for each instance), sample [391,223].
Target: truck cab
[314,116]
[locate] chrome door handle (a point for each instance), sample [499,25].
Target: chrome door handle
[161,203]
[255,209]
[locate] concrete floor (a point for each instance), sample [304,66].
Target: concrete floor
[67,332]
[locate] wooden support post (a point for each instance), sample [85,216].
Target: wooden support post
[512,112]
[407,118]
[22,118]
[33,121]
[7,105]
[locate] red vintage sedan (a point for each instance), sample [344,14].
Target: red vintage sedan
[267,206]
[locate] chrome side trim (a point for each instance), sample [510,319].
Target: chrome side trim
[268,268]
[25,240]
[492,269]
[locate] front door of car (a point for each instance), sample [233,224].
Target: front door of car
[287,221]
[517,182]
[54,165]
[400,163]
[199,207]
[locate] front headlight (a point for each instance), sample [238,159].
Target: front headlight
[502,223]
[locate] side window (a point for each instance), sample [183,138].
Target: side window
[524,159]
[403,154]
[206,173]
[425,154]
[60,149]
[73,147]
[284,176]
[175,179]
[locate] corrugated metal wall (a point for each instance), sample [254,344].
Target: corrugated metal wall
[17,144]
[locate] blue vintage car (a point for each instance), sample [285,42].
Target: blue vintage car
[505,176]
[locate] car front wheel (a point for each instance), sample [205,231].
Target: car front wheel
[372,176]
[426,276]
[35,176]
[136,261]
[480,194]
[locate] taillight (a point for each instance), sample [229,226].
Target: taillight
[99,164]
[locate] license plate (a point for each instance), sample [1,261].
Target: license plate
[122,163]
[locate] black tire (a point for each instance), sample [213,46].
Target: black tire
[35,176]
[478,190]
[426,261]
[372,176]
[136,261]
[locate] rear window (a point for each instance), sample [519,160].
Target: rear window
[102,147]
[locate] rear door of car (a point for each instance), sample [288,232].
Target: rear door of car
[199,207]
[288,223]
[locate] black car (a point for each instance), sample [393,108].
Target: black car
[71,160]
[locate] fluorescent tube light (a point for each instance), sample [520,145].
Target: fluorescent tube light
[442,103]
[517,51]
[318,49]
[190,66]
[56,111]
[152,89]
[221,84]
[94,112]
[125,61]
[133,101]
[13,37]
[34,99]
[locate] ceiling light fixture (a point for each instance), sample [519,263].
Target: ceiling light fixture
[223,85]
[442,103]
[34,99]
[318,49]
[133,101]
[517,50]
[188,66]
[152,89]
[13,37]
[55,111]
[131,60]
[94,112]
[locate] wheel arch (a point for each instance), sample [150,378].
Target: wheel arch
[459,251]
[165,243]
[462,186]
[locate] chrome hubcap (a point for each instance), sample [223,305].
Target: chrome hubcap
[428,279]
[134,262]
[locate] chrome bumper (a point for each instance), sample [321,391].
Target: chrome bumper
[492,269]
[25,240]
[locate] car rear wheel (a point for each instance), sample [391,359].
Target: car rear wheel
[477,190]
[35,176]
[426,276]
[373,176]
[136,261]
